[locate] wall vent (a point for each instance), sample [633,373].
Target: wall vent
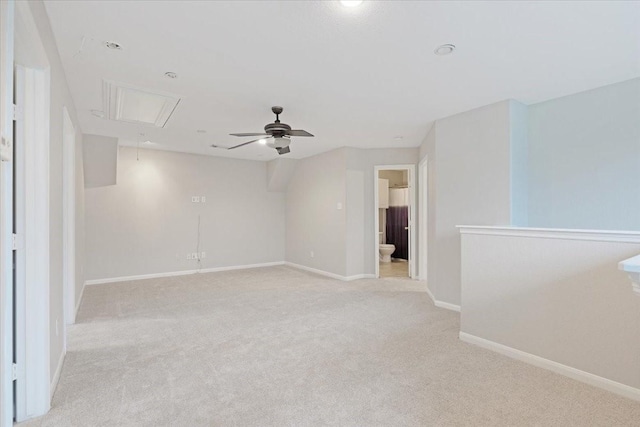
[134,105]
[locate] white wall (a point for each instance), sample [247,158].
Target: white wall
[147,223]
[313,221]
[584,159]
[469,178]
[59,98]
[555,296]
[100,157]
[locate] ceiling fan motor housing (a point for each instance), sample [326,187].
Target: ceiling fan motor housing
[277,129]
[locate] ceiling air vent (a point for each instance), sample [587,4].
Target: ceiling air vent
[134,105]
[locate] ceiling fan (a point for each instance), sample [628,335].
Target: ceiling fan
[277,134]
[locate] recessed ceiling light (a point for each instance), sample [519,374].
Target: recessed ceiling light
[170,75]
[445,49]
[398,138]
[113,45]
[262,141]
[98,113]
[351,3]
[201,131]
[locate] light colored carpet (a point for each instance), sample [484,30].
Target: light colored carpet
[281,347]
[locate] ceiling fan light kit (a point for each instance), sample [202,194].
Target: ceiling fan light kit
[276,134]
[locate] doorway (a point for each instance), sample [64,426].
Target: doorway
[394,211]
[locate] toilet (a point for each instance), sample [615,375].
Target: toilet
[385,250]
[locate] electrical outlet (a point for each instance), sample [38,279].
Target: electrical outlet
[195,199]
[203,199]
[311,254]
[194,255]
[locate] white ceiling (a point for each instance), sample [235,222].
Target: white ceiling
[353,77]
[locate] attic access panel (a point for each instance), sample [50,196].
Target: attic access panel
[135,105]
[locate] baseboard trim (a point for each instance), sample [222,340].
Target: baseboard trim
[568,371]
[442,304]
[180,273]
[56,376]
[447,305]
[359,276]
[328,274]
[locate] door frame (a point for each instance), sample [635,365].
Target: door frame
[32,299]
[7,28]
[68,218]
[423,220]
[411,178]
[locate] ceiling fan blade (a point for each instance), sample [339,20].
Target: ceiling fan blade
[245,143]
[249,134]
[298,132]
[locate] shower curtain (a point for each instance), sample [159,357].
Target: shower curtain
[398,221]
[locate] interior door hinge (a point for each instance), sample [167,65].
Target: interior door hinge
[14,372]
[18,113]
[17,241]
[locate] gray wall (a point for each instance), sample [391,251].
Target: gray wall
[584,158]
[314,222]
[147,223]
[361,208]
[343,240]
[429,197]
[60,97]
[100,156]
[555,296]
[518,126]
[279,173]
[79,217]
[469,157]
